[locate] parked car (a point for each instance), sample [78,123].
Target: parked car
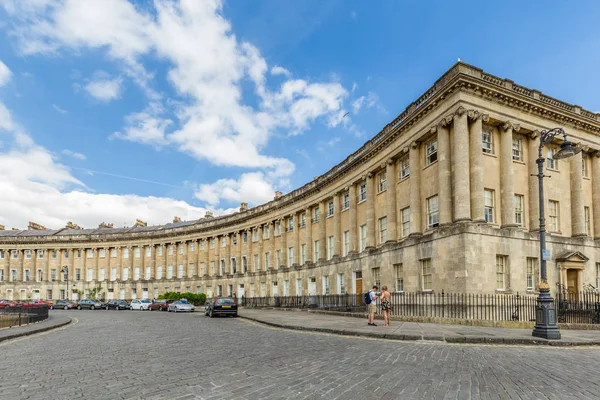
[160,305]
[37,303]
[221,306]
[65,305]
[181,305]
[117,305]
[140,304]
[91,304]
[7,303]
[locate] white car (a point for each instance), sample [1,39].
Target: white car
[181,305]
[141,304]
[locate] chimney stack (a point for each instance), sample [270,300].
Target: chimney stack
[139,222]
[208,214]
[105,225]
[176,219]
[243,207]
[35,227]
[2,227]
[71,225]
[278,195]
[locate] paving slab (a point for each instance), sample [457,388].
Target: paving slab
[399,330]
[54,321]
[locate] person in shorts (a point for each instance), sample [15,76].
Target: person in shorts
[373,305]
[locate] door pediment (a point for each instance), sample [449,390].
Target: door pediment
[572,256]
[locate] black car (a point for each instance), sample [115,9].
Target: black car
[117,305]
[221,306]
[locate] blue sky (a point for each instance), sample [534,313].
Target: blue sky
[113,110]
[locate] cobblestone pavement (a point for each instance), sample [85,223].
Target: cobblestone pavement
[153,355]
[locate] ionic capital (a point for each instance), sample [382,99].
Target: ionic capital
[534,135]
[596,153]
[433,129]
[473,114]
[414,145]
[459,111]
[446,121]
[370,175]
[390,161]
[584,147]
[510,125]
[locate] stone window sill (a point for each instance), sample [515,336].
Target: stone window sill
[429,165]
[519,162]
[489,154]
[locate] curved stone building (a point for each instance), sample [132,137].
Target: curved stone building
[441,199]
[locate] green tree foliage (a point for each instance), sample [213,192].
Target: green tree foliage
[195,299]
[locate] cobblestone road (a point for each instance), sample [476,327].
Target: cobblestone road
[153,355]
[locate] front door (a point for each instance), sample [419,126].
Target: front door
[359,298]
[240,291]
[572,283]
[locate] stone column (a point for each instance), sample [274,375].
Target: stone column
[337,217]
[596,192]
[507,190]
[414,160]
[259,231]
[250,255]
[444,173]
[577,213]
[228,268]
[296,217]
[323,231]
[476,164]
[97,271]
[218,256]
[309,244]
[152,262]
[272,248]
[460,157]
[370,211]
[283,242]
[209,258]
[390,198]
[534,195]
[353,228]
[48,268]
[238,252]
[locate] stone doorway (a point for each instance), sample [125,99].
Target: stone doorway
[571,266]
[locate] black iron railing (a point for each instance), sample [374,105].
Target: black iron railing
[17,316]
[578,307]
[490,307]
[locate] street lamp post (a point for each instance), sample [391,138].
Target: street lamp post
[545,311]
[65,271]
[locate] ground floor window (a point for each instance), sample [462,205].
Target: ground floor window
[399,277]
[501,272]
[426,275]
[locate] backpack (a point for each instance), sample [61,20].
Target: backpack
[368,298]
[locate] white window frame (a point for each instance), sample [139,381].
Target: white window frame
[530,273]
[362,192]
[399,282]
[102,253]
[405,218]
[382,182]
[487,140]
[502,272]
[586,220]
[341,286]
[551,163]
[382,223]
[346,200]
[345,243]
[326,288]
[433,212]
[330,247]
[431,152]
[553,216]
[489,205]
[517,149]
[519,209]
[584,168]
[316,251]
[362,237]
[136,252]
[404,167]
[303,254]
[426,275]
[330,209]
[290,256]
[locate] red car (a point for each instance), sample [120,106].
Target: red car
[7,303]
[37,303]
[160,305]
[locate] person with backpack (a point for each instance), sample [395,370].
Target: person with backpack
[371,302]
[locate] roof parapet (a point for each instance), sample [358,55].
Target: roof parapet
[105,225]
[139,222]
[243,207]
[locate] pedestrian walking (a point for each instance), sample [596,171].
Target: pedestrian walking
[372,305]
[386,305]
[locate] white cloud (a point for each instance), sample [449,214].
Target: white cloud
[104,89]
[369,101]
[278,70]
[73,154]
[59,110]
[5,74]
[354,86]
[252,187]
[35,186]
[207,67]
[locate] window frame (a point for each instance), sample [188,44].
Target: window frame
[517,153]
[487,146]
[489,211]
[433,215]
[431,151]
[404,164]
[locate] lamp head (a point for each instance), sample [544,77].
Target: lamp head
[567,149]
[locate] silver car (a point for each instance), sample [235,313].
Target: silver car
[181,305]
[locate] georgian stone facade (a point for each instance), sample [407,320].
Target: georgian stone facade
[441,199]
